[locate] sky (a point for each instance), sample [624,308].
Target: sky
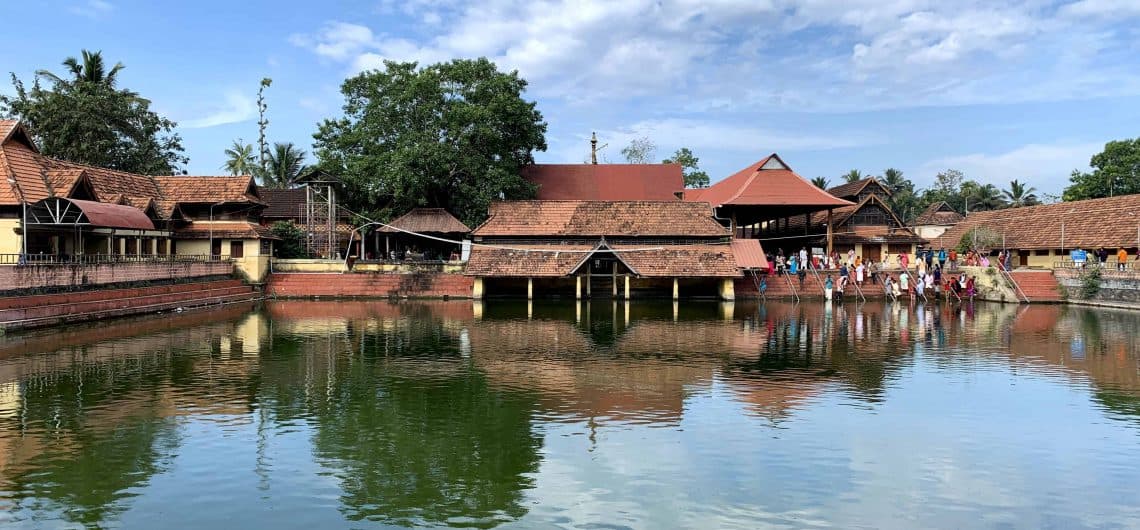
[1026,89]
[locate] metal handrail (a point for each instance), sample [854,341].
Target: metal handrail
[788,278]
[1017,288]
[815,274]
[757,283]
[858,290]
[886,289]
[1070,264]
[95,259]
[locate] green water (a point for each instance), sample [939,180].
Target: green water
[370,415]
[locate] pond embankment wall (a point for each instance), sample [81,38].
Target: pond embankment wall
[1115,287]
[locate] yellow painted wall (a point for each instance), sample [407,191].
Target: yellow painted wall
[9,239]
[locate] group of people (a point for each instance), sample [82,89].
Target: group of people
[1080,257]
[798,264]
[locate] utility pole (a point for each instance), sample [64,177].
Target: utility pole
[594,148]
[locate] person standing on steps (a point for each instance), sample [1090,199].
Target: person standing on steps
[1121,259]
[827,286]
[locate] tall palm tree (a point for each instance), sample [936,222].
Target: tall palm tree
[239,159]
[285,164]
[894,180]
[821,183]
[92,70]
[1019,194]
[853,176]
[986,197]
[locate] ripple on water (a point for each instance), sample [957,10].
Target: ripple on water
[372,414]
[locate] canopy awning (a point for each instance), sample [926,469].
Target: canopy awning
[72,212]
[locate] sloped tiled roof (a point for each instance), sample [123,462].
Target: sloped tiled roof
[845,233]
[681,261]
[62,181]
[422,220]
[525,260]
[225,230]
[108,183]
[601,218]
[769,182]
[1090,224]
[852,189]
[938,213]
[208,189]
[19,161]
[283,204]
[605,182]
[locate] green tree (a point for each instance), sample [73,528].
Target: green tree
[285,164]
[239,159]
[894,181]
[292,243]
[83,117]
[639,151]
[852,176]
[1019,194]
[451,135]
[694,177]
[977,197]
[821,183]
[1116,171]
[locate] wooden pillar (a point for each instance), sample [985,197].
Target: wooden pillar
[577,287]
[613,284]
[727,290]
[627,287]
[830,232]
[676,289]
[530,288]
[807,223]
[588,290]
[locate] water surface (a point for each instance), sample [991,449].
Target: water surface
[300,414]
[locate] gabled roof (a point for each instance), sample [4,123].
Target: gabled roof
[284,204]
[605,182]
[938,213]
[225,230]
[1090,224]
[427,220]
[769,182]
[209,189]
[21,175]
[666,261]
[98,214]
[601,219]
[853,189]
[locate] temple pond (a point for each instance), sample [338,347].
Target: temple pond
[312,414]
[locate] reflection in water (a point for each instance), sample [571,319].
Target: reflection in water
[342,414]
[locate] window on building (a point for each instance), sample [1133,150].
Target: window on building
[237,249]
[266,247]
[160,248]
[132,246]
[216,248]
[1041,252]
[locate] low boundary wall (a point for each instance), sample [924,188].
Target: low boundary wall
[369,285]
[16,279]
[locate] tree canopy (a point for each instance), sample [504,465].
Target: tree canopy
[693,176]
[639,151]
[1116,171]
[451,135]
[82,116]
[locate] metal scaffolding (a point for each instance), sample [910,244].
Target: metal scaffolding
[320,215]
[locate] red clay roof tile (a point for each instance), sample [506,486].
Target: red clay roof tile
[606,182]
[1109,222]
[422,220]
[601,218]
[755,185]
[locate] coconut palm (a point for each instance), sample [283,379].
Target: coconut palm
[980,197]
[1019,194]
[821,183]
[239,159]
[285,164]
[91,70]
[894,181]
[853,176]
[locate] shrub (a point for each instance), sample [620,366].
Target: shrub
[292,243]
[1090,282]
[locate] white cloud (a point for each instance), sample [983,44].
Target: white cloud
[766,54]
[1044,166]
[237,107]
[92,8]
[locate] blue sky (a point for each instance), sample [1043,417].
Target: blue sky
[1000,90]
